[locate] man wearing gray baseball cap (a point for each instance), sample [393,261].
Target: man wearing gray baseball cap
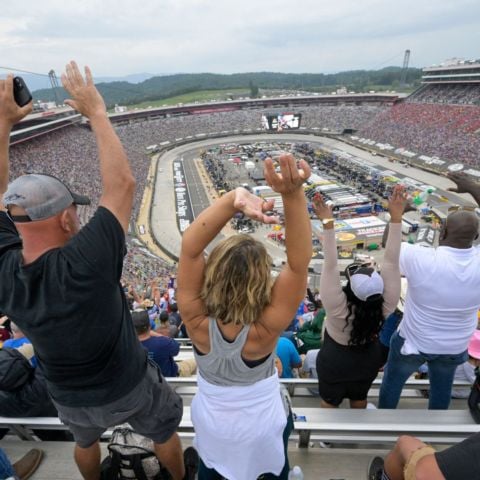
[52,275]
[41,196]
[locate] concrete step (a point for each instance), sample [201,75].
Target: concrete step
[316,462]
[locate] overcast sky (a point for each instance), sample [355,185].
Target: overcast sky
[119,37]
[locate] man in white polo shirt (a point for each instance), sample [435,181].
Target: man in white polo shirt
[441,307]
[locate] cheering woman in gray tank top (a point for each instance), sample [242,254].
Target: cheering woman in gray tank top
[234,313]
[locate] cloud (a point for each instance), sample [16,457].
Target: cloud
[117,37]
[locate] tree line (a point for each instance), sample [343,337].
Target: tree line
[166,86]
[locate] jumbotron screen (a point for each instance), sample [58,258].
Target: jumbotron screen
[283,121]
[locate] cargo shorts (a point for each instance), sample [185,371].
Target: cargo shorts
[152,408]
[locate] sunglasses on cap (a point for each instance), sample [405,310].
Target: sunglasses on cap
[355,267]
[18,218]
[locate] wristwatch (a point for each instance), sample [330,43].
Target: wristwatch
[327,220]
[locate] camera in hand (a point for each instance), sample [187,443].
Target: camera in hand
[21,93]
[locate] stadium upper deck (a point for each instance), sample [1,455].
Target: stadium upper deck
[372,99]
[454,82]
[44,122]
[452,71]
[438,126]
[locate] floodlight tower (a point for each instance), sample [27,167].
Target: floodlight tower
[406,59]
[54,83]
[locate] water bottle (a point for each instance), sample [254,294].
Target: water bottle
[296,473]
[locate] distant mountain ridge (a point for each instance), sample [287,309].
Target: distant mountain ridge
[132,78]
[165,86]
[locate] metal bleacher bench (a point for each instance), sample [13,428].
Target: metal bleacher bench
[385,426]
[329,425]
[299,386]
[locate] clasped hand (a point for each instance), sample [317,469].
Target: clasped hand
[254,207]
[291,178]
[289,181]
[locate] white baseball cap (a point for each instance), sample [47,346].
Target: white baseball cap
[365,283]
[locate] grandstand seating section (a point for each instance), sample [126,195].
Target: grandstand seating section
[451,132]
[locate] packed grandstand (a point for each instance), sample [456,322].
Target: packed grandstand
[436,128]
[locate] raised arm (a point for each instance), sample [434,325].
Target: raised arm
[390,267]
[289,288]
[331,293]
[118,183]
[10,114]
[465,185]
[200,233]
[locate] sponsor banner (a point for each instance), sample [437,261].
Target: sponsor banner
[431,160]
[370,232]
[455,167]
[183,205]
[365,222]
[359,234]
[199,111]
[436,161]
[340,226]
[474,173]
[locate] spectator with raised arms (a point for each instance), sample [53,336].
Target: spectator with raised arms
[234,314]
[440,312]
[351,354]
[52,275]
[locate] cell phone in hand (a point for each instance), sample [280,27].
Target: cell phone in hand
[21,93]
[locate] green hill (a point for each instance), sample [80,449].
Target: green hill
[162,87]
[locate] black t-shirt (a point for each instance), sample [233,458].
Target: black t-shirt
[70,304]
[462,461]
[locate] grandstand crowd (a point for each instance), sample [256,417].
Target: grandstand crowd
[70,152]
[463,94]
[95,322]
[449,132]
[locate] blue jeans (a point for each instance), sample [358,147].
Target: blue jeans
[6,469]
[441,370]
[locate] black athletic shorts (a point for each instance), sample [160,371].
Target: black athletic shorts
[462,461]
[345,371]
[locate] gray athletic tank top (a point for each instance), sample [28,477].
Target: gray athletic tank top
[224,365]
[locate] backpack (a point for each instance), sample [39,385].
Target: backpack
[474,398]
[132,456]
[15,369]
